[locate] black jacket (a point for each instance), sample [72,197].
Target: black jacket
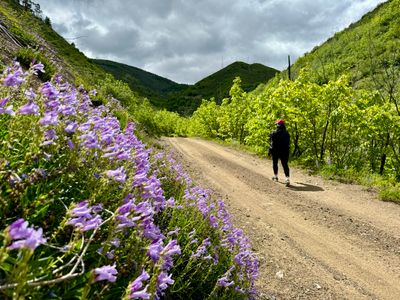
[279,141]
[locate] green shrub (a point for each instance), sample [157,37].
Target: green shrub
[26,56]
[25,38]
[390,193]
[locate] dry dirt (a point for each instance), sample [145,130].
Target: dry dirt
[316,239]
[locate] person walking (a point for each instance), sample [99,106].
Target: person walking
[279,149]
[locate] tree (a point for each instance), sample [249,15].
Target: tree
[27,4]
[37,11]
[47,21]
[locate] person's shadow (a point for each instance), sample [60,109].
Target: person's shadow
[304,187]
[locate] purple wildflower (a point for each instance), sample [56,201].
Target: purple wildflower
[97,208]
[143,294]
[29,109]
[213,221]
[24,236]
[70,144]
[82,218]
[151,231]
[110,254]
[38,67]
[18,229]
[202,249]
[30,94]
[49,91]
[125,221]
[171,248]
[224,282]
[155,249]
[14,79]
[92,223]
[4,101]
[50,135]
[128,205]
[118,174]
[167,264]
[163,280]
[170,202]
[8,110]
[138,282]
[106,273]
[81,210]
[71,127]
[49,118]
[174,232]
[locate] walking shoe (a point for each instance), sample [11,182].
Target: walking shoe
[287,181]
[275,178]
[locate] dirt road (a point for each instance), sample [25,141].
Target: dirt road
[315,239]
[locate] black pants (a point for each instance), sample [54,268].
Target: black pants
[284,161]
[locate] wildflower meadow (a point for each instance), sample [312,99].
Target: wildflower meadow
[88,211]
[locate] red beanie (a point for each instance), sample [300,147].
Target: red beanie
[280,122]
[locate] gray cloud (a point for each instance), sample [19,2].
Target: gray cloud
[186,40]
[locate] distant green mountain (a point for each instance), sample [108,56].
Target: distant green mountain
[367,50]
[217,85]
[183,98]
[147,84]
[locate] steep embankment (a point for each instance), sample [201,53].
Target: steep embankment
[368,50]
[22,32]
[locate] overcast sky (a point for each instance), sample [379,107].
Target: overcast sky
[187,40]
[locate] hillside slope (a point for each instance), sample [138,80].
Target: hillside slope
[21,29]
[366,50]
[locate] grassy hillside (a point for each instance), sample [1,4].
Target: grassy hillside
[150,85]
[182,98]
[21,30]
[368,50]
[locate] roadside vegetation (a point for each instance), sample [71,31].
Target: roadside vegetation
[89,211]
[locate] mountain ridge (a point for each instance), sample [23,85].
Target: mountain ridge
[185,98]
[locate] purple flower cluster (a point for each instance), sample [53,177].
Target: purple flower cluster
[231,239]
[83,217]
[23,236]
[14,75]
[118,174]
[31,108]
[6,110]
[135,288]
[106,273]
